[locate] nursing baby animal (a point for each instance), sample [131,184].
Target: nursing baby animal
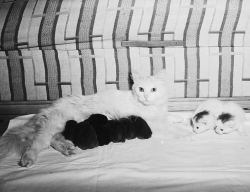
[97,130]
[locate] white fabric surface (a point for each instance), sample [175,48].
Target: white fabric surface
[206,162]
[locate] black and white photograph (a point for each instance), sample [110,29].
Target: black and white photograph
[125,95]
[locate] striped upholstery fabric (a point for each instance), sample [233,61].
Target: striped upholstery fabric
[54,48]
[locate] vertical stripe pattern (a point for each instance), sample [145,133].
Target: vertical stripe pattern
[16,76]
[12,22]
[85,23]
[156,29]
[5,93]
[120,32]
[48,24]
[53,48]
[225,42]
[191,40]
[51,72]
[88,70]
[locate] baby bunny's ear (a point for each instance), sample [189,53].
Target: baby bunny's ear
[191,122]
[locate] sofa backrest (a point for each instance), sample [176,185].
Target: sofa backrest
[53,48]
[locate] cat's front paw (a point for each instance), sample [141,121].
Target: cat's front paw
[28,159]
[66,147]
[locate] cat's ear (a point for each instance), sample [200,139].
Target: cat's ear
[134,76]
[162,74]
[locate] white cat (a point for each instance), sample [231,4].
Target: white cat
[148,99]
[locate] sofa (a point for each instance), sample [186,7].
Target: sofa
[53,48]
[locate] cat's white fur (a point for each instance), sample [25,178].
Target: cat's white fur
[148,99]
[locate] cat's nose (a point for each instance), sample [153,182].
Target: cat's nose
[146,97]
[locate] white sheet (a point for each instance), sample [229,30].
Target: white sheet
[206,162]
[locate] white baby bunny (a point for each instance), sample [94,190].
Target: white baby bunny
[205,116]
[231,119]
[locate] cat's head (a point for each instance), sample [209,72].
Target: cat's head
[150,90]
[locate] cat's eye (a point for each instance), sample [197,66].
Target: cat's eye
[153,89]
[141,89]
